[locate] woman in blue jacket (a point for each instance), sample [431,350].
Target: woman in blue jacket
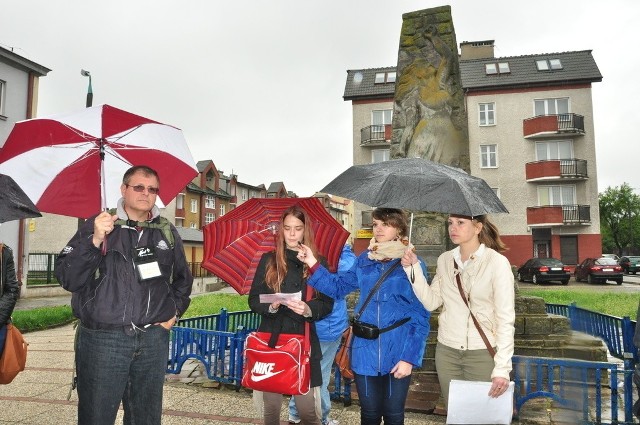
[383,365]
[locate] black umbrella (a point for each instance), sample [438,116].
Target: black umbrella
[14,203]
[416,184]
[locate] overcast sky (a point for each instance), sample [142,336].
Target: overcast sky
[257,86]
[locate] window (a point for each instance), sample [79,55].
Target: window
[551,106]
[554,150]
[210,202]
[179,222]
[193,226]
[380,118]
[244,194]
[208,218]
[488,156]
[222,210]
[497,68]
[487,112]
[548,64]
[557,195]
[3,85]
[194,205]
[385,77]
[180,201]
[379,155]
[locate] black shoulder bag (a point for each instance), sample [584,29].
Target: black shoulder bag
[367,330]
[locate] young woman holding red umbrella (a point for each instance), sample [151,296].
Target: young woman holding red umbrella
[281,271]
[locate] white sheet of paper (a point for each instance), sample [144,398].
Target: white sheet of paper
[469,403]
[280,297]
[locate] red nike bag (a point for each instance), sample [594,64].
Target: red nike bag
[284,368]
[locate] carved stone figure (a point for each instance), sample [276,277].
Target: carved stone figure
[429,119]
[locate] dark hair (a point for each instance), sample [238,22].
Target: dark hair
[394,218]
[489,235]
[146,170]
[277,268]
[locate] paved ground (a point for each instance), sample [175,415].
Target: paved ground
[38,395]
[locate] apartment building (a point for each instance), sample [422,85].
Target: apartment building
[531,137]
[19,82]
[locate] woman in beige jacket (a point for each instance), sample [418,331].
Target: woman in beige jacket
[488,285]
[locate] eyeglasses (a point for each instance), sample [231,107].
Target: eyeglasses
[140,188]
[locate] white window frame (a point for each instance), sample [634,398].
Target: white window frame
[551,106]
[209,217]
[244,194]
[194,205]
[3,90]
[376,153]
[487,114]
[193,226]
[562,194]
[489,156]
[222,210]
[209,201]
[180,201]
[550,150]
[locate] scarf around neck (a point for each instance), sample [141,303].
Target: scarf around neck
[379,251]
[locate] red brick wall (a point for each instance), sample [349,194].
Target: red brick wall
[520,248]
[539,125]
[544,215]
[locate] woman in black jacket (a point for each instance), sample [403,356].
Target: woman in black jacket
[9,290]
[281,271]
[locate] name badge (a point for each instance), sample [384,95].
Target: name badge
[146,263]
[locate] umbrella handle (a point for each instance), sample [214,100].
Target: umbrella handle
[104,245]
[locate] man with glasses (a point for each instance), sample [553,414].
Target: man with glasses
[127,297]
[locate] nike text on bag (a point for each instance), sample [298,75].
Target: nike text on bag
[283,369]
[14,356]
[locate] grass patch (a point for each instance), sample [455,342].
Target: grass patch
[42,318]
[611,303]
[205,305]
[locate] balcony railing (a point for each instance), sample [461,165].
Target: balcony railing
[558,215]
[375,135]
[557,169]
[552,125]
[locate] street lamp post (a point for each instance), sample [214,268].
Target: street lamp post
[89,89]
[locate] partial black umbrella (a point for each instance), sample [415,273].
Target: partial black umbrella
[418,185]
[14,203]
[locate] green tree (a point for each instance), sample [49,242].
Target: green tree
[620,219]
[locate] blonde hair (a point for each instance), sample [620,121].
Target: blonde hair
[489,235]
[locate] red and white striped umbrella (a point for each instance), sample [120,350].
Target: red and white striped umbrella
[72,164]
[234,243]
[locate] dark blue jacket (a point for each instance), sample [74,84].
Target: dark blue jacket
[106,290]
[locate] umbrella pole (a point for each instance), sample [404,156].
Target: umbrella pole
[410,227]
[103,192]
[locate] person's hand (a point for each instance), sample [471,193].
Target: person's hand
[498,387]
[401,370]
[299,307]
[102,226]
[306,255]
[168,324]
[409,258]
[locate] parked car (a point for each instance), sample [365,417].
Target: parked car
[614,256]
[539,270]
[630,264]
[595,270]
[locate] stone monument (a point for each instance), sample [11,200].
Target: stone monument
[429,121]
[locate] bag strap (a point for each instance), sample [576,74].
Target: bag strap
[306,344]
[375,288]
[475,321]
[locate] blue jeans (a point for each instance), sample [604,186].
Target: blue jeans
[114,366]
[3,337]
[382,397]
[329,350]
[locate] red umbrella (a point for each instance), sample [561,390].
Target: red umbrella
[234,243]
[72,164]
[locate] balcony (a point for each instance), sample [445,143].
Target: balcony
[376,135]
[559,215]
[556,169]
[553,125]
